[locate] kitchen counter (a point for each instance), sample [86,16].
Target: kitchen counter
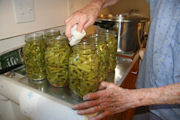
[40,101]
[63,95]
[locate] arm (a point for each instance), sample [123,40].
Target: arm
[163,95]
[86,16]
[105,3]
[112,99]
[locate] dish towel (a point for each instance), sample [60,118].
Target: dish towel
[76,36]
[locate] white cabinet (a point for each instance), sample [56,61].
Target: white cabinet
[34,104]
[10,110]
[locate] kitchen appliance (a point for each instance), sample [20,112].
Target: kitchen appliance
[129,29]
[11,60]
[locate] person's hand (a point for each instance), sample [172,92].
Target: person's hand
[83,17]
[109,100]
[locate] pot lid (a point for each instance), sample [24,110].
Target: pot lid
[123,18]
[130,18]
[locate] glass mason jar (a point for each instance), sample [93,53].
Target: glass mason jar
[50,33]
[33,52]
[102,51]
[83,69]
[111,40]
[56,59]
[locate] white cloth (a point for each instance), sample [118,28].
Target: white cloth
[76,36]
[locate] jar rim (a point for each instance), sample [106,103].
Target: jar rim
[107,31]
[52,31]
[96,36]
[83,44]
[33,36]
[59,38]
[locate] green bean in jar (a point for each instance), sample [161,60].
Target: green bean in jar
[83,69]
[57,58]
[102,52]
[112,46]
[33,53]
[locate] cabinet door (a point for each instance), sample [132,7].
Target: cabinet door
[10,110]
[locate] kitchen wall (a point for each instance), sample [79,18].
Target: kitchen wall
[121,6]
[51,13]
[126,5]
[48,13]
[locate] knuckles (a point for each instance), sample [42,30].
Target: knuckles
[84,16]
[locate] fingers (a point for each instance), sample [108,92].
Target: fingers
[92,96]
[68,19]
[92,110]
[77,18]
[104,85]
[70,22]
[68,29]
[86,104]
[100,116]
[82,21]
[90,22]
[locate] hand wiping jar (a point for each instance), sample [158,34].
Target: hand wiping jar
[76,36]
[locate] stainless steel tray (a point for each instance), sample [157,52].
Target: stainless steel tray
[123,67]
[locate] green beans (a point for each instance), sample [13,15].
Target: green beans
[112,46]
[57,58]
[103,54]
[83,70]
[34,57]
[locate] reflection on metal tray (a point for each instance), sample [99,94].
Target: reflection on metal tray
[122,69]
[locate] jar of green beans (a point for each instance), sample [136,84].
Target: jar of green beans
[111,40]
[83,69]
[33,53]
[56,59]
[50,33]
[103,53]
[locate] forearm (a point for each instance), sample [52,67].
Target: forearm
[155,96]
[103,3]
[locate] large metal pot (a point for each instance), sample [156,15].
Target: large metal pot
[129,29]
